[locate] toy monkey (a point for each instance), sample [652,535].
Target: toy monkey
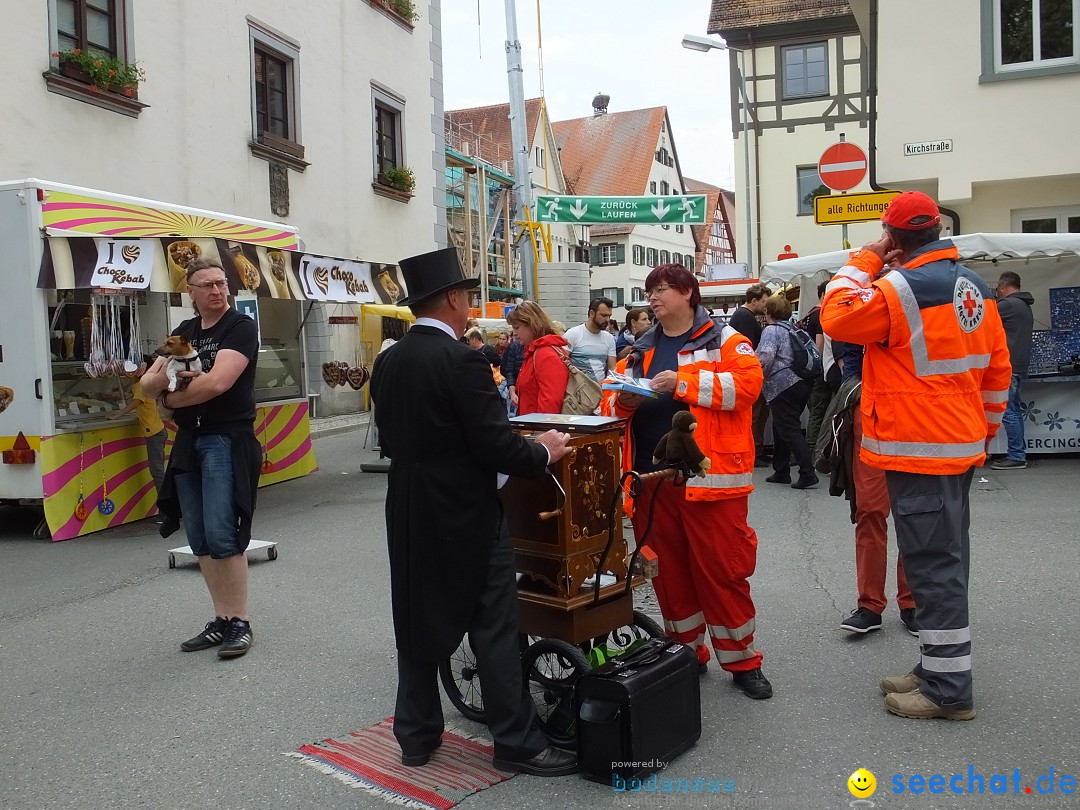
[677,446]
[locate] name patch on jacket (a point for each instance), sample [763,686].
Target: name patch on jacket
[968,303]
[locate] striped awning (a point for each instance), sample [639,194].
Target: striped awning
[159,265]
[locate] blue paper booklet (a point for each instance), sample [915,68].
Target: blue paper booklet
[634,385]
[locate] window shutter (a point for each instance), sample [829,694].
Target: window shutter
[619,297]
[594,255]
[620,254]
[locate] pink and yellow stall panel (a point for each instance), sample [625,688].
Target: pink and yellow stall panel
[101,478]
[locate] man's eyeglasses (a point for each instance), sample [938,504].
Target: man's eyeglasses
[656,292]
[211,285]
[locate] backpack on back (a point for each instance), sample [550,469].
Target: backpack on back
[807,363]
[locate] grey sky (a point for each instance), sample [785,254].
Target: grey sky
[628,49]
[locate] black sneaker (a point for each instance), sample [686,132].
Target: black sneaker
[211,636]
[861,620]
[779,478]
[805,481]
[754,684]
[907,616]
[238,639]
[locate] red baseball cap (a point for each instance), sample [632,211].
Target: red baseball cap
[912,211]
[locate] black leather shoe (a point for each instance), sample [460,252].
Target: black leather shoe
[778,478]
[416,760]
[754,684]
[549,762]
[805,481]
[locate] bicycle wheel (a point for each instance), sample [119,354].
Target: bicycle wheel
[461,682]
[551,669]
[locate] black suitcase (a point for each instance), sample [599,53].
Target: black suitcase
[635,714]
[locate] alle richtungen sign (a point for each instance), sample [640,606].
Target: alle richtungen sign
[680,209]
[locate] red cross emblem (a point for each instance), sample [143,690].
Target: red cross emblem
[970,304]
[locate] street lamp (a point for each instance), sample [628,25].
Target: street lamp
[693,42]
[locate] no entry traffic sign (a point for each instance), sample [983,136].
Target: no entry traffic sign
[842,166]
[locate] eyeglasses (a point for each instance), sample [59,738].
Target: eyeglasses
[221,284]
[656,292]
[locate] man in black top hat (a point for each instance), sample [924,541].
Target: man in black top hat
[444,427]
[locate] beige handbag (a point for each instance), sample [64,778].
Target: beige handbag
[582,391]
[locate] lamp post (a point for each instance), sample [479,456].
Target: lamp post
[694,42]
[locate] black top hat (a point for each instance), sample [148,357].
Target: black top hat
[432,273]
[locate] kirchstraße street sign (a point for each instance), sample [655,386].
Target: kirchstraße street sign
[680,209]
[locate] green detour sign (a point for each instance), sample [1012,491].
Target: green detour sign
[680,209]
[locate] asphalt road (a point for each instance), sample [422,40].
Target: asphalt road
[100,709]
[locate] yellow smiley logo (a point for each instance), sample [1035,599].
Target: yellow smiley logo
[862,784]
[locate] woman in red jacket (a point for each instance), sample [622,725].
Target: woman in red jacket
[541,383]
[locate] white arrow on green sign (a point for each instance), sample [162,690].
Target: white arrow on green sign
[688,209]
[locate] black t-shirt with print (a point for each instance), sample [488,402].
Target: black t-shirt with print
[235,407]
[653,417]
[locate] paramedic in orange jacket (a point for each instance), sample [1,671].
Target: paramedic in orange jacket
[935,384]
[706,550]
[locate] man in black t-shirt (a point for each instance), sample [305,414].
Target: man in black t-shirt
[745,320]
[215,462]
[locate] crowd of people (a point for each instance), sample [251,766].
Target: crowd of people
[921,366]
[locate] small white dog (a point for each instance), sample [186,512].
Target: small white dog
[182,357]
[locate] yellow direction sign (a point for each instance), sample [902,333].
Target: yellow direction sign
[840,209]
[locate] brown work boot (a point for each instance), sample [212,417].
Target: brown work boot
[898,684]
[917,706]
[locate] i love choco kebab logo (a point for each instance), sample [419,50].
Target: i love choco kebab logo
[327,279]
[124,263]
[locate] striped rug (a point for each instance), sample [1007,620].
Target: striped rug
[371,759]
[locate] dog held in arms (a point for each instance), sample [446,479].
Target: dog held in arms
[182,357]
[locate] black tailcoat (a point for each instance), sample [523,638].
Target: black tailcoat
[444,427]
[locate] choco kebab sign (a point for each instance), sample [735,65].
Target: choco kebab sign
[679,209]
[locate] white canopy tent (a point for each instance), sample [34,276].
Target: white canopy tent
[1042,260]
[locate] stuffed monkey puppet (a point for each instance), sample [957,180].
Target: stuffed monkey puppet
[678,445]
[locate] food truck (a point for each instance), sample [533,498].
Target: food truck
[1049,268]
[92,282]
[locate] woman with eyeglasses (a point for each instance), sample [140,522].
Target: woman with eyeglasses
[707,549]
[541,383]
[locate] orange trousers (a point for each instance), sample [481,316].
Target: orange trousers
[706,554]
[872,534]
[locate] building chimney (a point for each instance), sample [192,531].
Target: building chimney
[600,104]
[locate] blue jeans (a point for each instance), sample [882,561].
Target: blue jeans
[206,500]
[1013,422]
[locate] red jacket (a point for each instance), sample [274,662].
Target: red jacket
[541,383]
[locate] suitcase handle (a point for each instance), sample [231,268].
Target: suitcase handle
[642,657]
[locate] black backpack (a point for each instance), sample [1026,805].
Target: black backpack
[807,364]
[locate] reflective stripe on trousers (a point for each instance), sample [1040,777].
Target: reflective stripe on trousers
[932,517]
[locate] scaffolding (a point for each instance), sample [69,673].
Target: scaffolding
[479,206]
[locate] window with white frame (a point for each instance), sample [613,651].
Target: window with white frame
[1064,219]
[1032,34]
[652,186]
[539,157]
[639,254]
[614,293]
[664,188]
[805,70]
[275,87]
[388,138]
[665,257]
[676,257]
[650,257]
[689,262]
[679,229]
[666,226]
[808,184]
[609,254]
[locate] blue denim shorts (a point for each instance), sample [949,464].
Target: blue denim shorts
[207,502]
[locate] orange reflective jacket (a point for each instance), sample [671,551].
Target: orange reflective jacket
[936,373]
[719,377]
